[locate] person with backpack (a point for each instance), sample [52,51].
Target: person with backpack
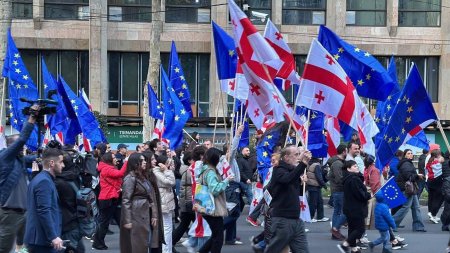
[68,185]
[139,216]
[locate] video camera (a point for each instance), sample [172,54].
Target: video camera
[45,109]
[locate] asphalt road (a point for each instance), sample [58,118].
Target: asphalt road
[319,239]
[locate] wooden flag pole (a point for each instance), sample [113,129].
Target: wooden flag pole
[224,111]
[443,134]
[188,135]
[307,130]
[3,100]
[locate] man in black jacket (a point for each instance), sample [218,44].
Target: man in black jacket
[246,173]
[287,228]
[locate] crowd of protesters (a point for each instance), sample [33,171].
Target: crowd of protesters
[149,193]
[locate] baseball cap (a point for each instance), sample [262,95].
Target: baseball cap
[121,145]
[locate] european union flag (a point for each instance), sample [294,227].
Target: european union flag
[175,115]
[20,86]
[369,77]
[226,56]
[317,141]
[386,108]
[79,113]
[155,108]
[412,113]
[84,98]
[59,122]
[178,80]
[265,149]
[392,194]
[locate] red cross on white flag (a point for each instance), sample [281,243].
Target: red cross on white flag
[257,196]
[305,215]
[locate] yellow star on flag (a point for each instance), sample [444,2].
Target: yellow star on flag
[231,53]
[368,77]
[403,131]
[357,49]
[397,139]
[360,82]
[410,109]
[181,77]
[341,50]
[177,118]
[265,154]
[408,119]
[269,137]
[177,70]
[181,94]
[336,56]
[266,143]
[366,54]
[183,111]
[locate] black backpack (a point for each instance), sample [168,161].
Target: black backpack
[87,209]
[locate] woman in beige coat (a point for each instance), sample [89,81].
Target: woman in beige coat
[166,181]
[138,212]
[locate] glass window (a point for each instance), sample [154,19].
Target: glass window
[130,10]
[84,71]
[188,11]
[114,79]
[69,63]
[22,9]
[426,13]
[304,12]
[66,9]
[130,74]
[259,11]
[366,12]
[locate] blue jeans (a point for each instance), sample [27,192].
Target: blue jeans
[338,214]
[411,203]
[384,238]
[177,186]
[229,224]
[247,189]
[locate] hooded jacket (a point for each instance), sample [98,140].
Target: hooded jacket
[110,180]
[68,197]
[383,218]
[406,171]
[355,196]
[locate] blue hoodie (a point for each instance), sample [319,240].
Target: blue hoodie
[383,218]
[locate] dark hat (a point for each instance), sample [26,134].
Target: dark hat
[121,145]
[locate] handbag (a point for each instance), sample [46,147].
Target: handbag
[203,199]
[411,187]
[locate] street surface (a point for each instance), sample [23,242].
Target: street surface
[433,241]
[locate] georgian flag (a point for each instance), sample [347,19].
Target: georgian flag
[333,135]
[305,215]
[2,138]
[367,128]
[258,194]
[325,87]
[200,227]
[159,131]
[287,74]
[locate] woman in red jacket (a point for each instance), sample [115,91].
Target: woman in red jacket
[108,200]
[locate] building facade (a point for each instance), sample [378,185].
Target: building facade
[102,45]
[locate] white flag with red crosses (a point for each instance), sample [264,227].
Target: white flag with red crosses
[305,215]
[257,196]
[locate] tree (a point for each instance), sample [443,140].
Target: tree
[153,66]
[5,24]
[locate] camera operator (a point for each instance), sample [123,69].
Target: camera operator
[13,184]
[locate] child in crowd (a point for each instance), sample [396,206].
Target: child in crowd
[383,222]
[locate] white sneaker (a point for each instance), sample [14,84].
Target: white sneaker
[430,215]
[306,230]
[399,238]
[324,219]
[433,219]
[437,218]
[188,246]
[313,220]
[364,240]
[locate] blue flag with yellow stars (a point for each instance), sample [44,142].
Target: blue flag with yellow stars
[391,193]
[369,77]
[265,148]
[178,80]
[79,113]
[175,115]
[317,140]
[20,85]
[59,122]
[245,137]
[412,113]
[155,108]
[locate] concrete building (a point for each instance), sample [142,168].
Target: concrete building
[102,45]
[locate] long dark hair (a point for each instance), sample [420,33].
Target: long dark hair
[134,164]
[404,152]
[108,158]
[151,176]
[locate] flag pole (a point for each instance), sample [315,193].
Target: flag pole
[3,100]
[443,134]
[233,118]
[224,117]
[188,134]
[307,130]
[215,122]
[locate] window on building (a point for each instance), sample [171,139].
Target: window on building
[124,73]
[22,9]
[304,12]
[426,13]
[366,12]
[188,11]
[66,9]
[259,11]
[73,66]
[130,10]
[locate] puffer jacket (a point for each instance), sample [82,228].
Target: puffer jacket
[110,180]
[383,218]
[355,196]
[165,180]
[185,189]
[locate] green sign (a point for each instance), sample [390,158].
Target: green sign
[125,134]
